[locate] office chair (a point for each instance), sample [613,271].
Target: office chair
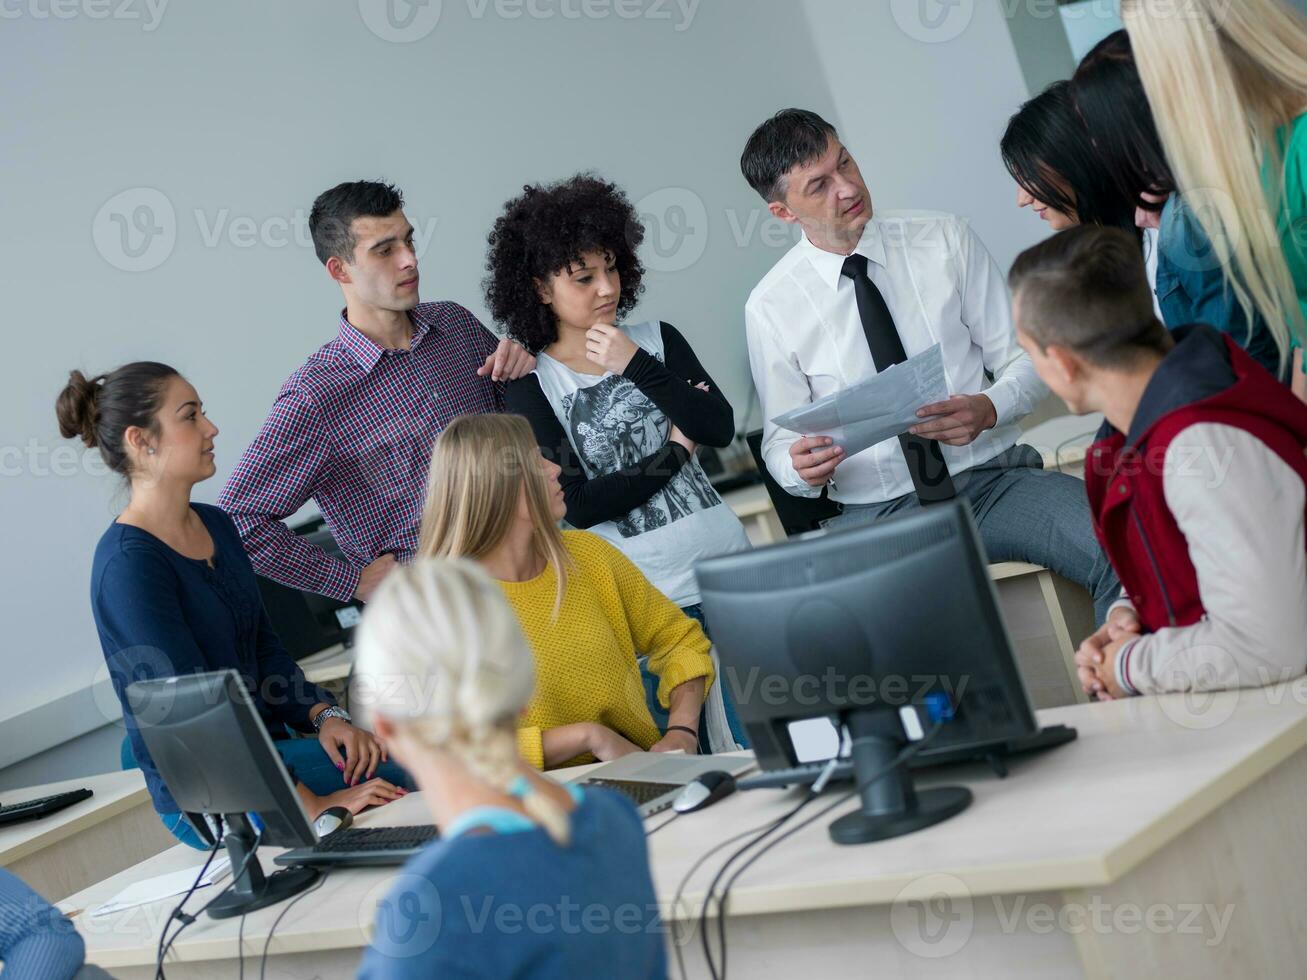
[797,514]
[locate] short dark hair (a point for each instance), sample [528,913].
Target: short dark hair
[1110,98]
[334,211]
[787,140]
[1086,289]
[545,230]
[99,410]
[1046,146]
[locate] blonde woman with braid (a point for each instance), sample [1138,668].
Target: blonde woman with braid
[445,674]
[586,609]
[1228,86]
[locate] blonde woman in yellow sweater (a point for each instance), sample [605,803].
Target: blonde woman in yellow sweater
[587,611]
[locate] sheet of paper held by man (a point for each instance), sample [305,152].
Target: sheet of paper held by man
[871,411]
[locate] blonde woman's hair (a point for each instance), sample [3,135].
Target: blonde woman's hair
[439,652]
[1222,76]
[479,467]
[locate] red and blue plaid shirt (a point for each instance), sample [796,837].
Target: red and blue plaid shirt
[352,430]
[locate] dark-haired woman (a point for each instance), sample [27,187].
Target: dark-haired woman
[620,407]
[1048,153]
[1191,288]
[173,592]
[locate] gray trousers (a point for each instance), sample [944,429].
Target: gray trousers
[1024,513]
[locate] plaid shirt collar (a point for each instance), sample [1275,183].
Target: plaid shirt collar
[367,352]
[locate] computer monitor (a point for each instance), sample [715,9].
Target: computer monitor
[881,629]
[307,623]
[214,754]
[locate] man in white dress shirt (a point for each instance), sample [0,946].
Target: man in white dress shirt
[860,290]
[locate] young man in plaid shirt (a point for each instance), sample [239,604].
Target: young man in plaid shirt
[352,429]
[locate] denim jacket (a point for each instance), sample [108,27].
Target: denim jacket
[1191,286]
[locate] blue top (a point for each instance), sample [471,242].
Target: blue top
[1191,286]
[161,614]
[36,942]
[513,903]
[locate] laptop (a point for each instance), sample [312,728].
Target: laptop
[652,780]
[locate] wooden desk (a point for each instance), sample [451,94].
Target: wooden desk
[1094,860]
[85,843]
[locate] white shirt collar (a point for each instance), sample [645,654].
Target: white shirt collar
[830,265]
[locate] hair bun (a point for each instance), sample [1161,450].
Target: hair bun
[77,408]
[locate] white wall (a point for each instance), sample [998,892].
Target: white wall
[922,105]
[229,118]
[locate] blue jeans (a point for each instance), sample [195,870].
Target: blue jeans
[307,763]
[1023,513]
[659,713]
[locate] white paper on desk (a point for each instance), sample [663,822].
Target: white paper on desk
[164,886]
[871,411]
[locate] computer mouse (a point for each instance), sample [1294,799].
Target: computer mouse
[332,819]
[704,791]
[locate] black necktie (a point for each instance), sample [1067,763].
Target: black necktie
[926,464]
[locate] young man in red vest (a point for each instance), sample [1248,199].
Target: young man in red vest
[1197,481]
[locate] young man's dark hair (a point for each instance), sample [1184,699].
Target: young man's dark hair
[334,212]
[1086,289]
[787,140]
[544,231]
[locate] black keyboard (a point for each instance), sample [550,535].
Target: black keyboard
[32,809]
[375,839]
[639,793]
[363,846]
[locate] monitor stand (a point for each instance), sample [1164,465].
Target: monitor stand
[891,805]
[252,889]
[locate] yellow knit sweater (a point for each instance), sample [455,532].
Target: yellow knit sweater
[585,658]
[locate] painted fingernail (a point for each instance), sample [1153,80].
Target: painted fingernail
[340,766]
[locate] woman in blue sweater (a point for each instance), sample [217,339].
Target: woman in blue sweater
[173,592]
[529,879]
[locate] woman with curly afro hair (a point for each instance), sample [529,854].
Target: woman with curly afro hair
[620,407]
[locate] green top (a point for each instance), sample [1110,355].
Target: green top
[1293,220]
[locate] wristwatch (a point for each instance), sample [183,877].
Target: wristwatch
[332,711]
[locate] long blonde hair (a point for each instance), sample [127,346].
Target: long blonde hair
[1222,76]
[440,652]
[479,467]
